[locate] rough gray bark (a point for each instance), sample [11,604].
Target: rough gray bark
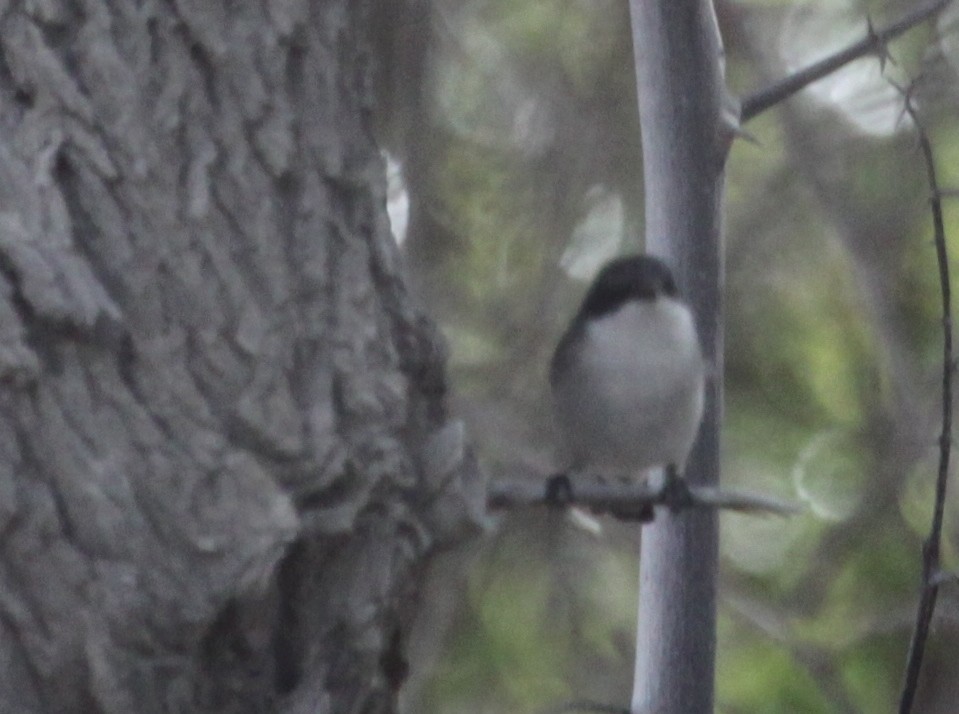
[680,86]
[223,448]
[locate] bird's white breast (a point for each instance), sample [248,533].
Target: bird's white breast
[633,397]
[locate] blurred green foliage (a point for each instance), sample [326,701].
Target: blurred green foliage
[833,345]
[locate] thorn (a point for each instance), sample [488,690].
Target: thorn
[906,107]
[881,45]
[730,124]
[907,93]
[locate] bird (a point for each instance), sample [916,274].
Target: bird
[627,376]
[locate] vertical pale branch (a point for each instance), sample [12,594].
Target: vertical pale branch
[930,548]
[680,84]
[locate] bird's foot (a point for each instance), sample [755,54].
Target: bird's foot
[675,492]
[559,491]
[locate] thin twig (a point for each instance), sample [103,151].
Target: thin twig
[626,500]
[931,578]
[875,41]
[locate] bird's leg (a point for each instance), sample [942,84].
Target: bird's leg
[559,491]
[675,492]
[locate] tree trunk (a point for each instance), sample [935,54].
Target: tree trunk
[224,453]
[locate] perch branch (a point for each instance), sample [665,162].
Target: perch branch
[628,501]
[874,42]
[586,706]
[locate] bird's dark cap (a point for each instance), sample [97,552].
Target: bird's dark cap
[632,277]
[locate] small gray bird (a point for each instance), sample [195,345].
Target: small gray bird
[627,376]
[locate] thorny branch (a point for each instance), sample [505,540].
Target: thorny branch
[874,42]
[931,575]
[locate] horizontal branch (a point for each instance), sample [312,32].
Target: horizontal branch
[629,501]
[874,42]
[586,706]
